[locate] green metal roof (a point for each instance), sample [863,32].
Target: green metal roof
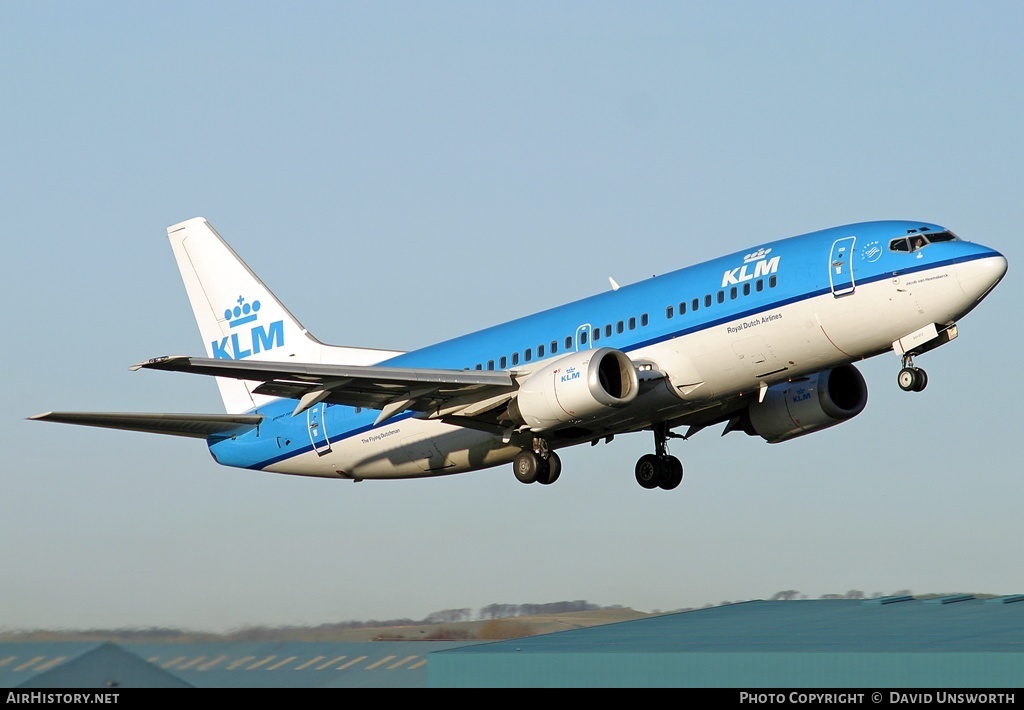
[82,665]
[886,624]
[228,665]
[889,642]
[883,643]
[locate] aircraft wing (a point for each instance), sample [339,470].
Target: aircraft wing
[434,392]
[199,426]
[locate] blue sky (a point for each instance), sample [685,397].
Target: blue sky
[399,173]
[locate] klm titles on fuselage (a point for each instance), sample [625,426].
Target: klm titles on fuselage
[763,267]
[754,322]
[237,346]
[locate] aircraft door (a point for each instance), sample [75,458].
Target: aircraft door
[583,337]
[840,266]
[316,420]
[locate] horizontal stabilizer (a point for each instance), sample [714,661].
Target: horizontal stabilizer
[199,426]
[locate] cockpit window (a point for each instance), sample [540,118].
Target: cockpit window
[913,242]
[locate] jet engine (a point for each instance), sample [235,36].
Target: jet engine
[575,388]
[810,404]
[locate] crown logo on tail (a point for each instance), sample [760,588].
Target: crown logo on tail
[242,313]
[238,344]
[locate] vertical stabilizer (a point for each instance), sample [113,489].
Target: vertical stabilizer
[239,318]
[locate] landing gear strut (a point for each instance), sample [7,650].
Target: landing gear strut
[659,470]
[911,379]
[538,465]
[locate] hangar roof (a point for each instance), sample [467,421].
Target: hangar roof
[889,641]
[887,624]
[382,664]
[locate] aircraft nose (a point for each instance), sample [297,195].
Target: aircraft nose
[979,276]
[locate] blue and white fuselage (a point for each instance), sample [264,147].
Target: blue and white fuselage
[762,340]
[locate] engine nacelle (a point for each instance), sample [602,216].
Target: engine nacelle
[807,405]
[575,388]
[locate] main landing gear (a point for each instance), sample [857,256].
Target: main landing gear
[659,470]
[911,379]
[539,464]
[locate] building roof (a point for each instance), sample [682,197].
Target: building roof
[227,665]
[103,665]
[889,642]
[960,623]
[884,643]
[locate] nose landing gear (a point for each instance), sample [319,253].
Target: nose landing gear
[922,340]
[911,378]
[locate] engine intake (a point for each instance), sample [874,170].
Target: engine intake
[807,405]
[575,388]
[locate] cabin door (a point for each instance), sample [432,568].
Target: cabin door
[840,266]
[316,420]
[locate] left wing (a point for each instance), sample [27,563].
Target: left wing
[200,426]
[434,392]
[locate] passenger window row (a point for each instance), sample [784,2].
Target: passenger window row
[719,297]
[552,348]
[631,323]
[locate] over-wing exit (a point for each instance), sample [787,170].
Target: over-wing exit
[761,341]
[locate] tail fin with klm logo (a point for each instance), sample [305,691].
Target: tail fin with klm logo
[239,318]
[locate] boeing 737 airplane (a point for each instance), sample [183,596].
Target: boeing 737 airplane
[762,341]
